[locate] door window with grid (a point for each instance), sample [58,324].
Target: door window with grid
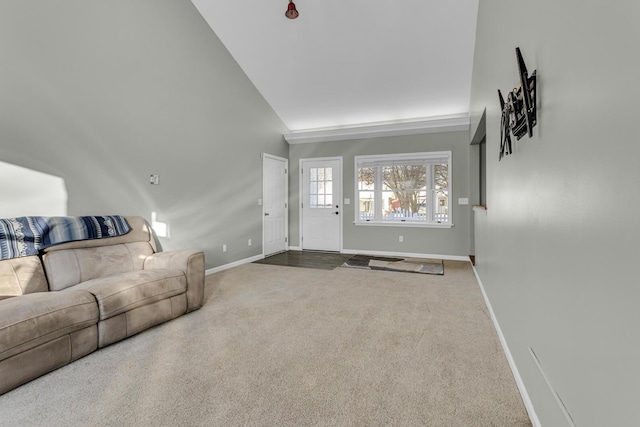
[321,188]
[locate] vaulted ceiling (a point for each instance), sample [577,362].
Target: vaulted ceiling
[352,62]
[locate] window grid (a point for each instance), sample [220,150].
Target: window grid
[321,188]
[413,188]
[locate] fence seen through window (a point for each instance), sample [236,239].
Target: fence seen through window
[402,189]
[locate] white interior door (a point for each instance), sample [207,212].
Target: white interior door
[275,189]
[321,195]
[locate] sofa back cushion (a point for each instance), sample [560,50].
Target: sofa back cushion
[68,267]
[140,232]
[19,276]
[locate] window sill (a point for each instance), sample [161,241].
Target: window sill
[402,224]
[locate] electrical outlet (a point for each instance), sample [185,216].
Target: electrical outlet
[401,239]
[249,244]
[154,179]
[224,248]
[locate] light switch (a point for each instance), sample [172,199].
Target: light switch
[463,201]
[347,201]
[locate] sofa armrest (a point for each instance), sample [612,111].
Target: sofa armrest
[191,262]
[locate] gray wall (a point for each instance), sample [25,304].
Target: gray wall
[439,241]
[103,94]
[557,249]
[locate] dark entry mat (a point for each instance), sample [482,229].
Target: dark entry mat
[306,259]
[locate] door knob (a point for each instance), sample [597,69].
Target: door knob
[337,213]
[266,214]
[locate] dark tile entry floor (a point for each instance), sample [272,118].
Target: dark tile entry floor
[306,259]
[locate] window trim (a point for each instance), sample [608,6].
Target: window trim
[398,157]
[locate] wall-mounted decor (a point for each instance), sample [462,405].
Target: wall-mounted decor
[519,109]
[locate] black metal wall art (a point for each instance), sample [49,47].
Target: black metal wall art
[519,109]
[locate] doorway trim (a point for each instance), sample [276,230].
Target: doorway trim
[301,196]
[286,199]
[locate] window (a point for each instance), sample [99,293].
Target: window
[321,188]
[404,189]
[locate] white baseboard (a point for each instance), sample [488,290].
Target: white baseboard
[233,264]
[345,251]
[528,404]
[404,254]
[398,254]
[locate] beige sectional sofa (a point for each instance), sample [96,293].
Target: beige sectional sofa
[79,296]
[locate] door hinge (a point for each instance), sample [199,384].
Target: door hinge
[302,205]
[286,240]
[285,205]
[285,171]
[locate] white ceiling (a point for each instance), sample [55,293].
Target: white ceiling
[350,62]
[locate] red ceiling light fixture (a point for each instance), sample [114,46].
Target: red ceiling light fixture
[291,12]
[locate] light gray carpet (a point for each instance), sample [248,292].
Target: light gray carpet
[279,346]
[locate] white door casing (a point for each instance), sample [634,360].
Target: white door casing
[321,204]
[274,213]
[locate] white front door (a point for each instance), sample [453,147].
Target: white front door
[321,204]
[274,193]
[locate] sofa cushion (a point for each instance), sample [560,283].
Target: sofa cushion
[19,276]
[69,267]
[123,292]
[31,320]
